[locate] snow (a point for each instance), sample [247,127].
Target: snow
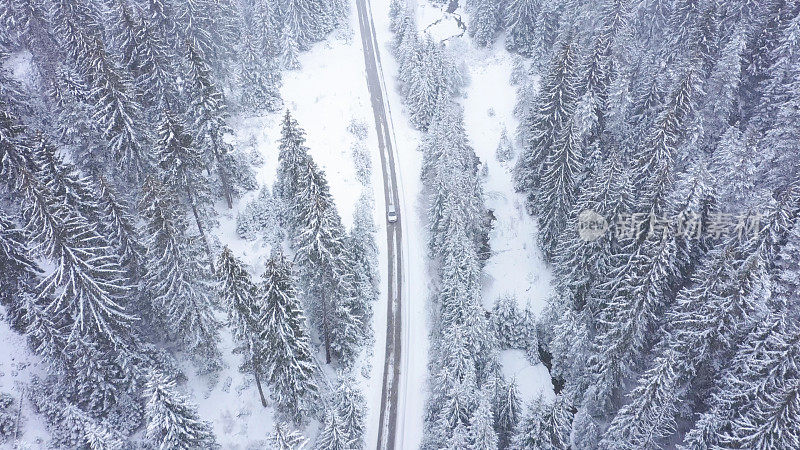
[516,266]
[17,366]
[532,381]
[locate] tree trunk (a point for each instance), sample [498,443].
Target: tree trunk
[325,332]
[200,228]
[257,375]
[223,178]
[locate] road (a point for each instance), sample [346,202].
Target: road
[388,422]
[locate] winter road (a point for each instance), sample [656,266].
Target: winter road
[387,429]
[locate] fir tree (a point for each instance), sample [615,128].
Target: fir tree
[319,240]
[521,21]
[172,421]
[486,19]
[20,273]
[259,76]
[284,438]
[181,163]
[178,284]
[334,435]
[209,126]
[244,314]
[554,106]
[288,349]
[350,405]
[481,427]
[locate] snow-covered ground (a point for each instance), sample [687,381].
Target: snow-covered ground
[17,366]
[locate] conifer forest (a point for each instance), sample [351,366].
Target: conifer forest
[400,224]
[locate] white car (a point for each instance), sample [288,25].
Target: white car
[391,215]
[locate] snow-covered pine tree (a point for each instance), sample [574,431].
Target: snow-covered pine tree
[505,149]
[119,116]
[508,411]
[178,284]
[259,77]
[508,323]
[553,109]
[350,408]
[321,255]
[20,274]
[288,348]
[725,294]
[210,27]
[334,434]
[558,189]
[520,20]
[154,68]
[172,421]
[209,127]
[244,314]
[87,286]
[545,425]
[642,289]
[260,217]
[292,155]
[486,20]
[459,438]
[79,429]
[118,226]
[362,253]
[481,426]
[742,409]
[285,438]
[181,164]
[425,83]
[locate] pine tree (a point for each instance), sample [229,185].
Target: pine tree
[86,431]
[172,421]
[486,18]
[558,184]
[288,349]
[545,425]
[521,21]
[350,405]
[505,149]
[244,314]
[20,273]
[284,438]
[481,427]
[118,114]
[740,407]
[362,253]
[209,126]
[726,294]
[259,218]
[508,323]
[554,106]
[178,284]
[182,163]
[509,411]
[259,76]
[292,156]
[334,435]
[320,254]
[87,287]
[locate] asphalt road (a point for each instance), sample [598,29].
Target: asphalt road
[394,234]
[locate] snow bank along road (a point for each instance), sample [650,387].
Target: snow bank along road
[387,427]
